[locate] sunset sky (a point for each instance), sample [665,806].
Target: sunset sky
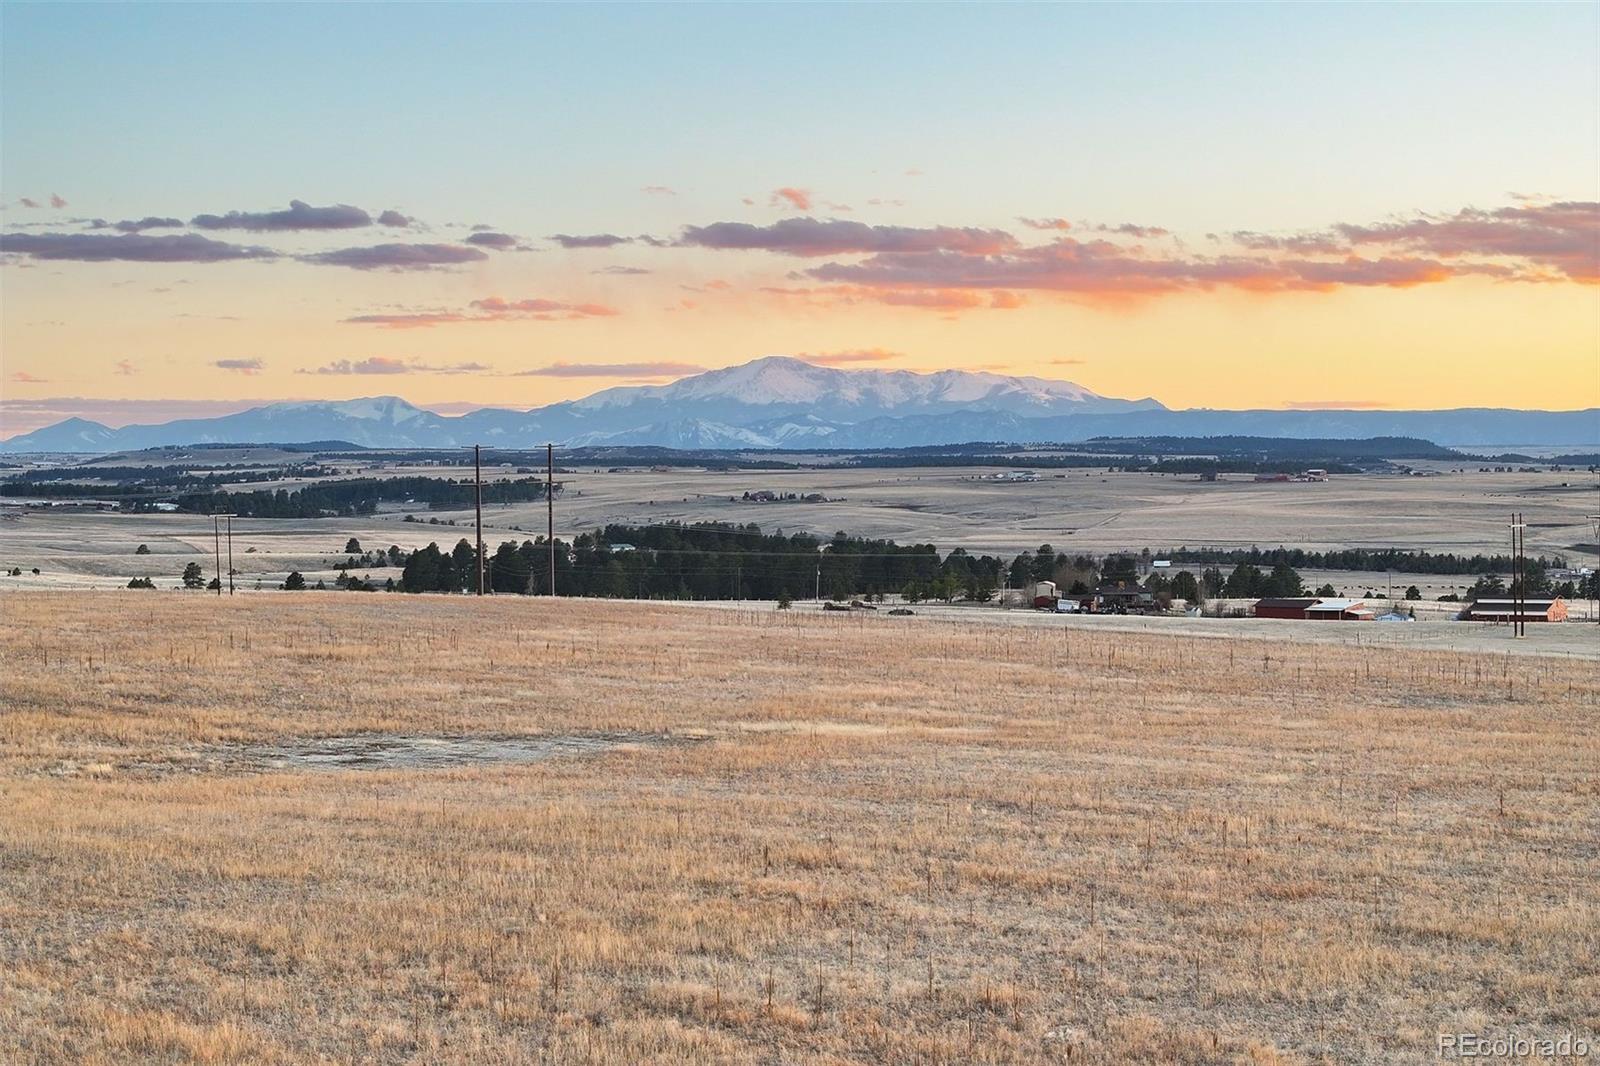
[207,207]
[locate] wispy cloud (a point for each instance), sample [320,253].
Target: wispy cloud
[126,368]
[799,199]
[1333,405]
[1046,223]
[814,237]
[589,240]
[1563,236]
[850,357]
[496,305]
[299,216]
[240,366]
[136,225]
[624,271]
[1131,229]
[384,365]
[613,370]
[659,190]
[398,256]
[489,309]
[1103,268]
[57,202]
[490,239]
[22,377]
[131,248]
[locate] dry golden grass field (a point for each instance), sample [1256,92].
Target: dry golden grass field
[794,838]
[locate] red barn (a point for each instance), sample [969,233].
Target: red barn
[1283,608]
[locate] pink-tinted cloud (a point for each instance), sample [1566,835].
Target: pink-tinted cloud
[613,370]
[489,309]
[659,190]
[1563,236]
[1103,268]
[57,202]
[22,377]
[1046,223]
[240,366]
[394,220]
[126,368]
[398,256]
[495,305]
[799,199]
[1299,244]
[299,216]
[812,237]
[849,358]
[131,248]
[28,201]
[385,365]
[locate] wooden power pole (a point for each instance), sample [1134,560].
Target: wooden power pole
[216,548]
[550,509]
[477,506]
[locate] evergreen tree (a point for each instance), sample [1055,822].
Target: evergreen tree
[1185,587]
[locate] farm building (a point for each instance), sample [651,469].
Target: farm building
[1325,609]
[1544,609]
[1122,599]
[1276,607]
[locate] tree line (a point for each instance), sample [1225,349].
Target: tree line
[360,496]
[1397,559]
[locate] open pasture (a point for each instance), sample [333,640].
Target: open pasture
[1095,512]
[818,839]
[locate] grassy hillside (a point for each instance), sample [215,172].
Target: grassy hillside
[818,839]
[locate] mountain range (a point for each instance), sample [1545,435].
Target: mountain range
[782,402]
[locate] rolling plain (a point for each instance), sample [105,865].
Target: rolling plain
[1094,511]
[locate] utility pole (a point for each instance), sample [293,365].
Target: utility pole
[1594,578]
[477,506]
[550,509]
[216,548]
[1518,593]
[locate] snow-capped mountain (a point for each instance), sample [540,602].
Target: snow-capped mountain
[779,382]
[779,402]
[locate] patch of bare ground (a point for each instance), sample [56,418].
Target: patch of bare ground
[898,840]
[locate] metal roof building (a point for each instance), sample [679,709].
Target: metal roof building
[1542,609]
[1315,608]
